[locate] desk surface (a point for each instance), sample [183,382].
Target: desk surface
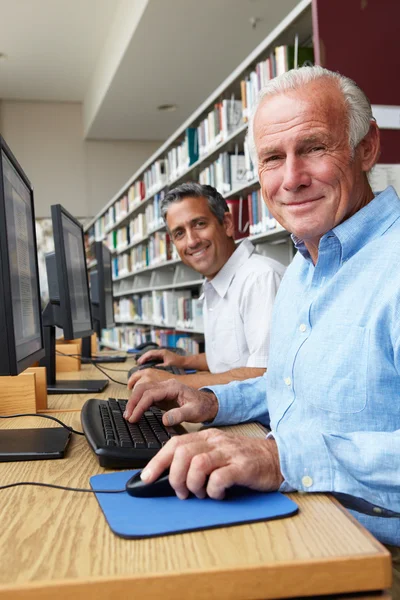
[56,544]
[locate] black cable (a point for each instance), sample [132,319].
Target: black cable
[61,487]
[124,383]
[43,417]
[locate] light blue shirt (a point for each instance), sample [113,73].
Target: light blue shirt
[332,390]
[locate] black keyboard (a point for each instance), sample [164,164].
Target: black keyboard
[119,444]
[155,365]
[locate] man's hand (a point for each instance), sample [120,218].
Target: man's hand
[149,376]
[194,406]
[169,358]
[225,459]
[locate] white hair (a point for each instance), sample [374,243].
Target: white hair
[357,103]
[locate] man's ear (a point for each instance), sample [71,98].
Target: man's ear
[370,147]
[228,224]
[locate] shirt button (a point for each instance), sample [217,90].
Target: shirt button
[377,510]
[303,328]
[307,481]
[288,381]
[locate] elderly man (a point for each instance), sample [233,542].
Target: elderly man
[331,392]
[236,326]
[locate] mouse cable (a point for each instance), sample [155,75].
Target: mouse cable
[60,487]
[97,367]
[43,417]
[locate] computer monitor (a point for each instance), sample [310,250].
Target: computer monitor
[101,296]
[69,304]
[21,331]
[101,288]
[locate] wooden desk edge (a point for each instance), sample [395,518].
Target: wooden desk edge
[256,582]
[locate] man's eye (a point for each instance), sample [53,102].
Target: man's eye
[178,234]
[200,224]
[316,148]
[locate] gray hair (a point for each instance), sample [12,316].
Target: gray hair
[357,103]
[216,202]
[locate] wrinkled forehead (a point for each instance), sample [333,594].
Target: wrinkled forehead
[320,102]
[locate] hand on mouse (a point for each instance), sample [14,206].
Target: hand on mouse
[194,406]
[168,358]
[149,376]
[224,459]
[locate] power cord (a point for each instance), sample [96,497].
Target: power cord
[61,487]
[124,383]
[43,417]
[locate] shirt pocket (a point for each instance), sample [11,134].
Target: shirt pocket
[225,341]
[338,383]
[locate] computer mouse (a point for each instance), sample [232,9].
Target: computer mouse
[159,488]
[145,346]
[147,365]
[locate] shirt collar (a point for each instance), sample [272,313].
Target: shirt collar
[368,223]
[223,278]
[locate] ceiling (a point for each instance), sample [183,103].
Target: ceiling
[124,58]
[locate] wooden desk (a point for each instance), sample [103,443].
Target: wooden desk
[56,544]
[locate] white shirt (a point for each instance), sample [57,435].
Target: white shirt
[237,310]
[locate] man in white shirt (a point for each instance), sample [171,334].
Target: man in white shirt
[238,293]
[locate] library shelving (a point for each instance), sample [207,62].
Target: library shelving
[156,296]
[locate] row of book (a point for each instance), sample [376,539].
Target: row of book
[170,308]
[260,218]
[128,337]
[154,251]
[221,121]
[226,173]
[280,60]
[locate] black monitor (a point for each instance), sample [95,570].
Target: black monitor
[101,296]
[21,332]
[101,290]
[69,304]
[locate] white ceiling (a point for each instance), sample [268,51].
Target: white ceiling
[123,58]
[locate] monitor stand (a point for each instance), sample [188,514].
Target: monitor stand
[87,357]
[33,444]
[87,386]
[69,386]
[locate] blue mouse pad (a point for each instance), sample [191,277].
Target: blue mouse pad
[131,517]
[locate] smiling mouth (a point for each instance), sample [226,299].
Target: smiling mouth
[197,252]
[303,202]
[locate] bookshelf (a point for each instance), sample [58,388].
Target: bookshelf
[155,294]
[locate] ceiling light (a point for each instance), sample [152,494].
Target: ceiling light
[167,107]
[3,56]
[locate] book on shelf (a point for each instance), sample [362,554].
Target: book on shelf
[285,58]
[239,209]
[237,170]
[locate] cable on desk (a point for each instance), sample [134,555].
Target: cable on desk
[124,383]
[61,487]
[43,417]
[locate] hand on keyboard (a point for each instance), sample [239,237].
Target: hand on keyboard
[194,406]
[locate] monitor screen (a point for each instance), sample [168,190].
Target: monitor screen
[22,263]
[108,288]
[77,276]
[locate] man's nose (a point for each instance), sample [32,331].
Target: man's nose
[192,238]
[296,174]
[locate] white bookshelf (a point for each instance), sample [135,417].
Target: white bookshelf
[171,274]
